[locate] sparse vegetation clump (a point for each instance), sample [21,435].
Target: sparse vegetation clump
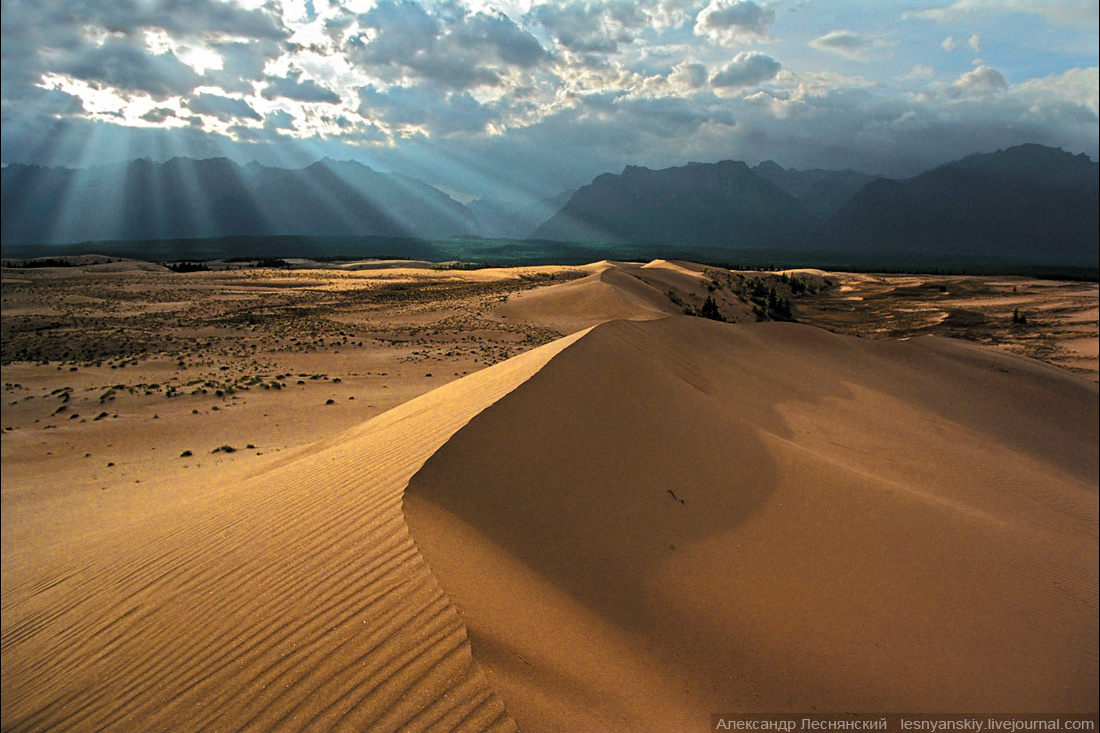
[709,309]
[187,266]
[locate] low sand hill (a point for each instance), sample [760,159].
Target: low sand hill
[621,290]
[679,517]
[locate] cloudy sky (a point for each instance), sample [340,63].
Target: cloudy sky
[486,97]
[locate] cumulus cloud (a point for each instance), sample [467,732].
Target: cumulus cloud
[130,67]
[107,43]
[748,68]
[291,87]
[223,108]
[458,49]
[652,82]
[734,21]
[426,108]
[593,27]
[243,62]
[194,17]
[690,75]
[982,80]
[949,44]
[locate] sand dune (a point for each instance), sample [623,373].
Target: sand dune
[626,529]
[620,290]
[293,601]
[606,294]
[677,517]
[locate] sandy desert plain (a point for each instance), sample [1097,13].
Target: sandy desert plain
[391,496]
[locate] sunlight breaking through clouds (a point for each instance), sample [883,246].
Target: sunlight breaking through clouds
[557,91]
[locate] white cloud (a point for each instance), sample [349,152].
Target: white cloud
[747,69]
[689,75]
[1078,87]
[949,44]
[974,43]
[847,43]
[731,22]
[982,80]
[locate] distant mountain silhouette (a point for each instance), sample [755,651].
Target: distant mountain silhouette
[715,205]
[185,198]
[499,218]
[1030,202]
[822,192]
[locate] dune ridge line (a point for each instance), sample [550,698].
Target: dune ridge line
[296,600]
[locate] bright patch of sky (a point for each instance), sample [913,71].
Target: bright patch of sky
[492,96]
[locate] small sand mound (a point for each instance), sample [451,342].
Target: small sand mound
[607,294]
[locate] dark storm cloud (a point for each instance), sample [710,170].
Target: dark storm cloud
[439,111]
[158,115]
[509,42]
[591,27]
[303,91]
[189,18]
[130,67]
[224,108]
[746,69]
[243,63]
[547,99]
[102,42]
[457,49]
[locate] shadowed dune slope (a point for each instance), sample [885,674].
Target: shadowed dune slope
[678,517]
[292,601]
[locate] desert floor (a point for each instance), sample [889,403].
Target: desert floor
[395,496]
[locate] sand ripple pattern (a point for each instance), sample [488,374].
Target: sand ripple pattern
[294,601]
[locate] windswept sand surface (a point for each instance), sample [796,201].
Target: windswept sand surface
[630,527]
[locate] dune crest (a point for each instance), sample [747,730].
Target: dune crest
[293,601]
[677,517]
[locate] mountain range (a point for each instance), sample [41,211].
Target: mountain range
[1030,202]
[185,198]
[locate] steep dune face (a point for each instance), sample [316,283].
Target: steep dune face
[678,517]
[292,601]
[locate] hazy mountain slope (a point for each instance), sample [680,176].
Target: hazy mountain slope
[716,204]
[821,191]
[511,219]
[1030,202]
[185,198]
